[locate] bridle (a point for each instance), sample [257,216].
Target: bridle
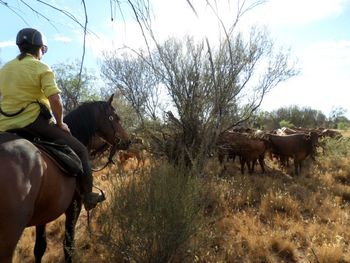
[117,140]
[114,147]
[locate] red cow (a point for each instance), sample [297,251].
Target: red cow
[248,148]
[297,146]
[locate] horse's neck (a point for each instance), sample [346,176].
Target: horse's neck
[83,122]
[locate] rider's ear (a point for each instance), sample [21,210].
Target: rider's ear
[110,99]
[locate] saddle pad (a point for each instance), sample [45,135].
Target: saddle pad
[64,155]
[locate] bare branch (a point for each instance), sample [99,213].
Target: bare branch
[64,12]
[12,9]
[84,43]
[192,7]
[38,13]
[142,22]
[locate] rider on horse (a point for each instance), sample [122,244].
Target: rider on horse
[29,93]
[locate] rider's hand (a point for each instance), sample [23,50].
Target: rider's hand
[64,127]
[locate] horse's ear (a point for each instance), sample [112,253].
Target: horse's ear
[110,99]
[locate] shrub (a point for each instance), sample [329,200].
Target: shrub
[285,123]
[342,125]
[153,216]
[336,149]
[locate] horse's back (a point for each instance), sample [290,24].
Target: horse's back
[20,179]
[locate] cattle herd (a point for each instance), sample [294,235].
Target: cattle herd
[250,146]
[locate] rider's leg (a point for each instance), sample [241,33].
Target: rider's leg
[50,132]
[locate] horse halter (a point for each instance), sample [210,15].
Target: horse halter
[115,146]
[117,140]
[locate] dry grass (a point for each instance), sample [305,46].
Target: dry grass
[268,217]
[346,133]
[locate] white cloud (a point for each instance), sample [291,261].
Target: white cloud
[7,44]
[299,12]
[323,82]
[121,35]
[327,55]
[171,19]
[63,39]
[177,18]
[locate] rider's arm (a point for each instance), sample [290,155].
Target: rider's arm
[57,110]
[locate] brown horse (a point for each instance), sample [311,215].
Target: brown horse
[35,191]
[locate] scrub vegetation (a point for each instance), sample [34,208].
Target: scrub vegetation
[159,213]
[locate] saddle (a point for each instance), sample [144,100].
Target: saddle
[67,160]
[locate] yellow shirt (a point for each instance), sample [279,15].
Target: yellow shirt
[21,83]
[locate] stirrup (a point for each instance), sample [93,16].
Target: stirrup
[90,200]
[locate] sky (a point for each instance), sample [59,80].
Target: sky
[315,31]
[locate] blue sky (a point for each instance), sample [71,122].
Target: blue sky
[316,31]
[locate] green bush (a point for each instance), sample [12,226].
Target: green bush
[336,149]
[152,216]
[342,125]
[285,123]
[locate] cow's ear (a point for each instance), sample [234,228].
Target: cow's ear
[110,99]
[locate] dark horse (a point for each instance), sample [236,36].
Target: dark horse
[35,191]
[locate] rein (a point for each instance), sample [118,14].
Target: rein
[110,158]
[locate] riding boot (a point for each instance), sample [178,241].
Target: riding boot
[89,198]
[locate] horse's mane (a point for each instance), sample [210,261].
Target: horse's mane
[82,121]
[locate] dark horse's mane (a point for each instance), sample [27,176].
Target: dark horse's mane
[82,120]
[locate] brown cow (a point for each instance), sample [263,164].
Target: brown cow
[124,156]
[322,132]
[248,149]
[297,146]
[330,133]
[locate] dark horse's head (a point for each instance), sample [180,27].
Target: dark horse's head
[97,118]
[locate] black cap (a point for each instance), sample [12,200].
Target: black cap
[30,36]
